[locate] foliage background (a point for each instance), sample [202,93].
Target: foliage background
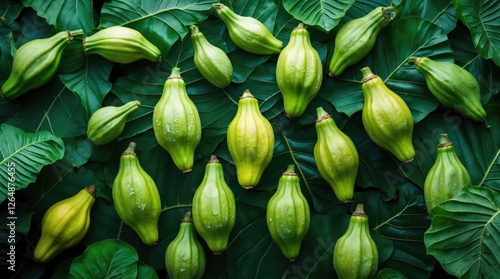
[55,119]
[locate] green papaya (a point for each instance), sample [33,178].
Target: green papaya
[35,63]
[107,123]
[184,257]
[355,254]
[136,197]
[386,117]
[336,156]
[250,140]
[212,62]
[176,122]
[447,175]
[247,32]
[214,207]
[356,38]
[452,85]
[65,224]
[299,72]
[121,44]
[288,215]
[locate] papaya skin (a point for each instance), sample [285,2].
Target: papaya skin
[35,63]
[250,140]
[248,33]
[214,208]
[212,62]
[288,215]
[336,157]
[447,175]
[355,254]
[386,117]
[107,123]
[136,198]
[121,44]
[299,72]
[452,85]
[176,122]
[185,257]
[356,38]
[64,225]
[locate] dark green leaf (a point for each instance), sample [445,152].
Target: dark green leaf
[323,14]
[145,271]
[389,273]
[403,222]
[441,13]
[91,83]
[482,19]
[53,108]
[22,155]
[464,234]
[409,36]
[9,10]
[162,23]
[78,151]
[65,15]
[106,259]
[32,27]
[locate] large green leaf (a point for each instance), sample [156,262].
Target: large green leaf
[90,83]
[409,36]
[465,233]
[162,23]
[22,155]
[441,13]
[483,20]
[10,10]
[324,15]
[65,15]
[402,222]
[53,108]
[106,259]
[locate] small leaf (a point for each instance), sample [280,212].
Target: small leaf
[145,271]
[9,10]
[90,83]
[389,273]
[482,18]
[323,14]
[22,155]
[465,233]
[106,259]
[65,15]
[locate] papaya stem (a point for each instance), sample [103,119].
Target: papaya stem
[175,74]
[213,159]
[360,211]
[187,218]
[444,141]
[194,29]
[367,74]
[130,149]
[322,114]
[290,171]
[414,60]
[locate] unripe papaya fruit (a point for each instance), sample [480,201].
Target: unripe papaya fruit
[247,32]
[107,123]
[452,85]
[336,157]
[288,215]
[446,177]
[136,197]
[355,39]
[65,224]
[298,72]
[35,63]
[212,62]
[250,140]
[184,257]
[214,207]
[176,122]
[121,44]
[355,254]
[386,117]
